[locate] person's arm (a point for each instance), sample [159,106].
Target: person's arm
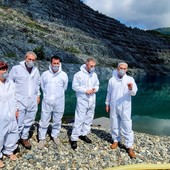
[76,84]
[42,82]
[108,97]
[39,93]
[16,104]
[12,74]
[96,85]
[65,82]
[132,87]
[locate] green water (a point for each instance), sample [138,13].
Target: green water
[150,107]
[152,99]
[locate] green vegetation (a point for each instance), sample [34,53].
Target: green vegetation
[72,50]
[14,15]
[10,54]
[32,41]
[39,51]
[34,25]
[160,33]
[2,14]
[3,7]
[165,31]
[154,32]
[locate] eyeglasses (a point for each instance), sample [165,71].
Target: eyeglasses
[29,59]
[122,68]
[92,66]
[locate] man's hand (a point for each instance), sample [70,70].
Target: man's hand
[89,92]
[107,108]
[17,114]
[38,99]
[94,90]
[130,85]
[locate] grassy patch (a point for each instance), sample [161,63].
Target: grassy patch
[34,25]
[72,50]
[31,41]
[159,34]
[39,51]
[10,54]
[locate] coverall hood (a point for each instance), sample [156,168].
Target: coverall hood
[22,63]
[83,68]
[115,74]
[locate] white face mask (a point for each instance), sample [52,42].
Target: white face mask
[55,68]
[30,64]
[92,70]
[121,73]
[4,75]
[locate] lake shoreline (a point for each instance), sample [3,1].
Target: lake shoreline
[149,149]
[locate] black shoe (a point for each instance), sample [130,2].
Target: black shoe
[74,145]
[17,150]
[85,138]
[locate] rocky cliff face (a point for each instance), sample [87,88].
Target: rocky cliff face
[75,32]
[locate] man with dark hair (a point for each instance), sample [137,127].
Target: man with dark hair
[53,84]
[85,84]
[56,58]
[27,80]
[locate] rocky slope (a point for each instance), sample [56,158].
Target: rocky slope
[75,32]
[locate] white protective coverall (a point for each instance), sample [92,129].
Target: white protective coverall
[8,123]
[85,107]
[53,86]
[119,99]
[27,91]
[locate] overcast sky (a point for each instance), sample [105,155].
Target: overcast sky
[143,14]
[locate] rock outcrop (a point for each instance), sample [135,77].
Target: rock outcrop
[75,32]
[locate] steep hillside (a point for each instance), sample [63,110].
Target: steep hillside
[75,31]
[165,31]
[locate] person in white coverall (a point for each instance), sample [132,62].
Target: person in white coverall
[118,101]
[9,113]
[27,80]
[85,84]
[54,83]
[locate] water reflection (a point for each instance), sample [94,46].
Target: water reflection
[151,125]
[153,97]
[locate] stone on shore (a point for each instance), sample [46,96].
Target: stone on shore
[96,156]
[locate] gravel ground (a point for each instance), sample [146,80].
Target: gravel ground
[96,156]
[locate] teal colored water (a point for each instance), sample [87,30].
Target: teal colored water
[153,97]
[150,107]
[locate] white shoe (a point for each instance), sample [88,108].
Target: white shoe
[56,141]
[41,144]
